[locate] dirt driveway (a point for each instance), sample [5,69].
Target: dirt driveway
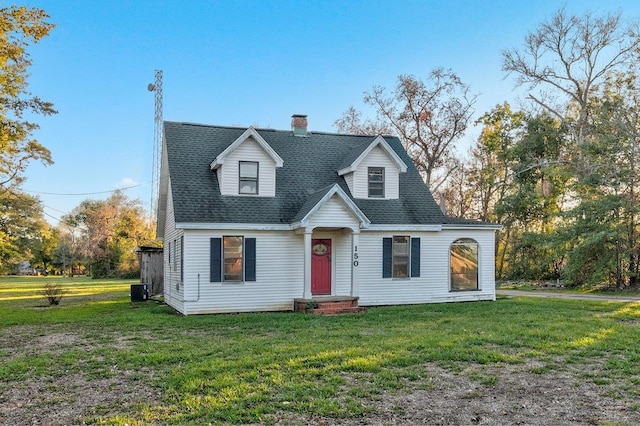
[558,295]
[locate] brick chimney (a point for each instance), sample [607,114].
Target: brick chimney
[299,124]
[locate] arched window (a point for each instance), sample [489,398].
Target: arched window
[463,260]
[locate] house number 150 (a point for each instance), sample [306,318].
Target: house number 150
[355,255]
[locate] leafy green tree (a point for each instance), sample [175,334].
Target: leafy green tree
[22,229]
[20,214]
[605,224]
[533,207]
[43,245]
[109,231]
[574,201]
[66,255]
[20,27]
[491,173]
[492,164]
[63,255]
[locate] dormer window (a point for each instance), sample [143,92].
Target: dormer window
[372,170]
[376,182]
[248,177]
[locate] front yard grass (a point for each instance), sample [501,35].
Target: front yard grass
[256,368]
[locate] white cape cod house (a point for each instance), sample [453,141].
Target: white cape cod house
[256,219]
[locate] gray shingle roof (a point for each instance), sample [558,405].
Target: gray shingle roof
[354,153]
[310,203]
[310,165]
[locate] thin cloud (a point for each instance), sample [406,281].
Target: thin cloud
[127,182]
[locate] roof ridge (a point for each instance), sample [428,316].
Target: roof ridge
[214,126]
[271,129]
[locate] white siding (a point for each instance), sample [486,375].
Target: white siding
[360,181]
[348,178]
[279,274]
[173,289]
[433,283]
[341,286]
[333,214]
[280,270]
[249,150]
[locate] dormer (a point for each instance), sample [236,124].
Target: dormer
[247,167]
[372,171]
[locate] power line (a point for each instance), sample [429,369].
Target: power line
[83,193]
[51,216]
[54,209]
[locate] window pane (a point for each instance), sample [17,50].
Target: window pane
[248,187]
[464,265]
[376,175]
[401,256]
[376,190]
[376,182]
[248,169]
[232,254]
[248,177]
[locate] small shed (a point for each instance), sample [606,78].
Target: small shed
[151,271]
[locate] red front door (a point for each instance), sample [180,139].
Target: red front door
[320,267]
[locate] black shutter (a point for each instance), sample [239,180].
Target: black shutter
[182,258]
[415,257]
[249,259]
[216,260]
[387,257]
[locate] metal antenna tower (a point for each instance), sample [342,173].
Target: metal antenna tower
[157,145]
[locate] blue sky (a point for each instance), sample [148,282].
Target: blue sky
[246,63]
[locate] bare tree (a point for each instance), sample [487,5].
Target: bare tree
[351,122]
[566,57]
[428,116]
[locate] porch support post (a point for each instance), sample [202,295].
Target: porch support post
[307,263]
[355,260]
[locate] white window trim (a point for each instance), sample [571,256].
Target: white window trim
[240,178]
[369,169]
[242,260]
[478,271]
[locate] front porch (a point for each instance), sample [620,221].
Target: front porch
[328,305]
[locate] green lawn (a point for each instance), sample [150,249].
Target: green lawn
[250,368]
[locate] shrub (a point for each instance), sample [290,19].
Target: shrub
[52,292]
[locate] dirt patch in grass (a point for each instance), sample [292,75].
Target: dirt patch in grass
[514,395]
[492,395]
[31,340]
[72,399]
[483,395]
